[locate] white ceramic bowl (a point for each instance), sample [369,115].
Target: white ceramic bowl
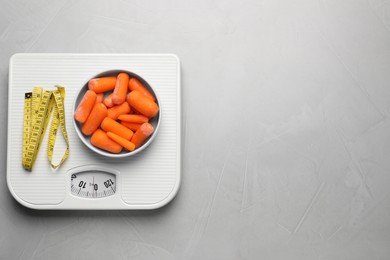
[155,121]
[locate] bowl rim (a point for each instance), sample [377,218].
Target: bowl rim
[86,141]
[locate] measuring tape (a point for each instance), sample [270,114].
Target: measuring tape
[38,107]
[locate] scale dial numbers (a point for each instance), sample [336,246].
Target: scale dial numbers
[93,184]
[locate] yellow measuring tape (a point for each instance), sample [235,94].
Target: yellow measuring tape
[38,107]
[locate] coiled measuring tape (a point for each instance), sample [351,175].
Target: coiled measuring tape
[38,108]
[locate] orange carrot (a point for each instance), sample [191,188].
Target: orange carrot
[133,111]
[100,85]
[127,98]
[102,141]
[122,141]
[142,104]
[134,84]
[82,112]
[110,125]
[98,113]
[120,90]
[132,126]
[116,111]
[99,98]
[108,101]
[142,134]
[139,119]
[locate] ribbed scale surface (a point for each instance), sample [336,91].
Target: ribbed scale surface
[147,177]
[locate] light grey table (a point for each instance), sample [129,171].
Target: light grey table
[286,129]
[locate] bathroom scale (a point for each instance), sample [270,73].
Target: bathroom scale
[86,180]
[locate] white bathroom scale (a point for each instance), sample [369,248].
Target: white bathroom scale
[147,180]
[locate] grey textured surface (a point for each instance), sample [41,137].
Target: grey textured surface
[286,129]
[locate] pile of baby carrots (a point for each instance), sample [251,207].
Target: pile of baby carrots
[116,112]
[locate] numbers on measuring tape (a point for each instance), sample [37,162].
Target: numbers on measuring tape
[38,107]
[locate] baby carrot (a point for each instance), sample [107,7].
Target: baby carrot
[102,141]
[120,90]
[122,141]
[142,134]
[133,110]
[99,98]
[108,101]
[100,85]
[85,106]
[134,84]
[98,113]
[139,119]
[142,104]
[116,111]
[132,126]
[110,125]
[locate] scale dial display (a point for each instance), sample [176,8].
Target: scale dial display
[93,184]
